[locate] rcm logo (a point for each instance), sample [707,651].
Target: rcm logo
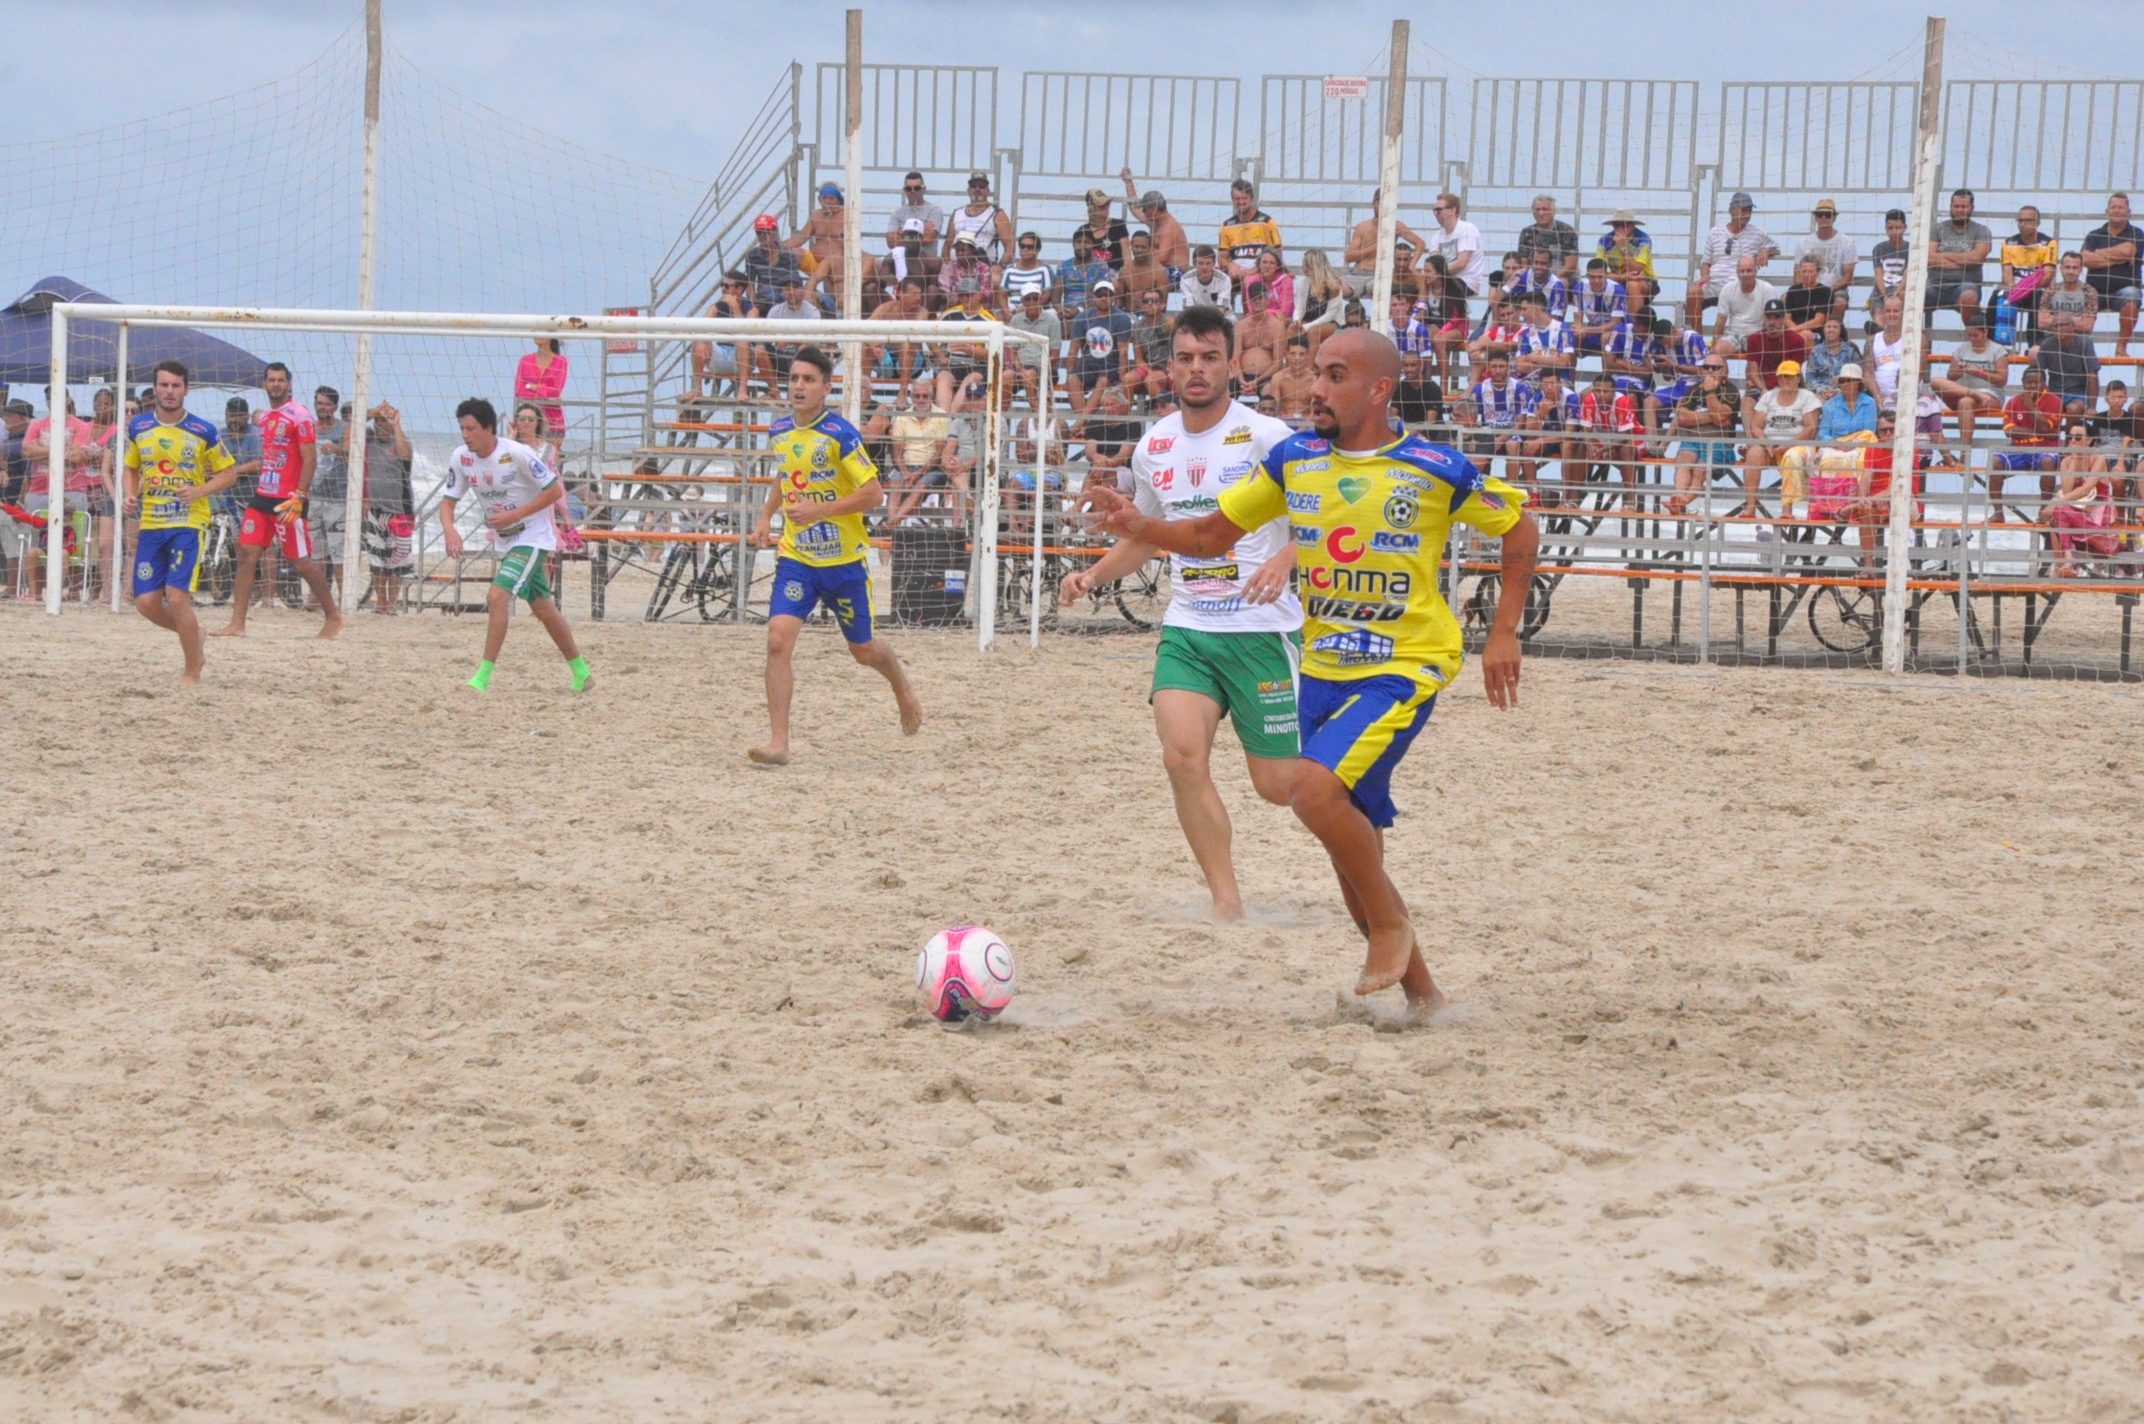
[1339,550]
[800,479]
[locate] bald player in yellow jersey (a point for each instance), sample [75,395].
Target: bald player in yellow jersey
[1370,510]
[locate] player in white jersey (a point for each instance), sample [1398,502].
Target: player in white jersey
[1232,639]
[517,491]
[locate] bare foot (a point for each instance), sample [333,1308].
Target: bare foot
[330,628]
[190,678]
[1229,911]
[1388,959]
[911,714]
[1423,996]
[769,756]
[229,630]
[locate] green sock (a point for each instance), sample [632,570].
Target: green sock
[580,672]
[482,680]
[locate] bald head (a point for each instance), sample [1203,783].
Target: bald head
[1350,399]
[1367,352]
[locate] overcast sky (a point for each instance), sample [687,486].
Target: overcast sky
[671,83]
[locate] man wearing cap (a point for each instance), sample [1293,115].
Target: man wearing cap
[1742,306]
[1773,342]
[1549,233]
[795,305]
[769,265]
[1626,248]
[966,265]
[985,223]
[1783,421]
[1956,253]
[1104,230]
[1725,246]
[1101,347]
[1850,412]
[1247,233]
[1076,279]
[1172,246]
[1831,250]
[819,241]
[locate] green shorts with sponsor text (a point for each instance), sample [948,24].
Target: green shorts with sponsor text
[1251,675]
[524,573]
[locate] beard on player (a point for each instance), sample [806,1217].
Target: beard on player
[1324,421]
[1195,391]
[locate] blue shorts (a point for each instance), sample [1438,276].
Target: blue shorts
[1719,454]
[1359,730]
[167,558]
[845,589]
[1024,480]
[2021,460]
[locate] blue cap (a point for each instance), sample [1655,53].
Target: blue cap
[830,190]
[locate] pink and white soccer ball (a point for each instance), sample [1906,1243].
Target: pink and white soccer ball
[962,972]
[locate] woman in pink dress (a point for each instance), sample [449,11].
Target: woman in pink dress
[2082,509]
[541,377]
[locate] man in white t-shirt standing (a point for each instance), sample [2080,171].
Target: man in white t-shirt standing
[517,491]
[1459,243]
[1785,425]
[1232,639]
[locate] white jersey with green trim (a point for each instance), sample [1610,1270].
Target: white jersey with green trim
[1177,475]
[509,477]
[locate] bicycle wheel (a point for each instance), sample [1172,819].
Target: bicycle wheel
[1845,620]
[1478,612]
[680,565]
[714,592]
[1143,597]
[219,563]
[289,587]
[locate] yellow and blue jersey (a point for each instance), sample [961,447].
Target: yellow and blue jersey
[174,457]
[826,460]
[1370,531]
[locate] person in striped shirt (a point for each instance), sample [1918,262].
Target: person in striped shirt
[1540,278]
[1492,409]
[1546,430]
[1498,334]
[1596,308]
[1544,342]
[1627,349]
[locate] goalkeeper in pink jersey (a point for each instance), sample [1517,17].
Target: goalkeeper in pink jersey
[275,516]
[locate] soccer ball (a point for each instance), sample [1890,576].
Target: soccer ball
[963,971]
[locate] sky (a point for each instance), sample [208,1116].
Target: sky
[671,84]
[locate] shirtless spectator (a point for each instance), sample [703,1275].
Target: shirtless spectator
[909,360]
[1292,382]
[1172,246]
[1260,336]
[1361,255]
[820,239]
[1142,273]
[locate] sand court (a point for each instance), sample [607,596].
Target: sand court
[377,1050]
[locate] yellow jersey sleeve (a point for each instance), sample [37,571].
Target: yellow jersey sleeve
[1493,509]
[1258,501]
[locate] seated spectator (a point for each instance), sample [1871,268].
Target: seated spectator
[776,357]
[1149,376]
[1782,422]
[1544,342]
[1361,254]
[1017,487]
[912,256]
[2111,259]
[1106,233]
[1142,272]
[960,362]
[1418,399]
[1290,386]
[2069,364]
[1705,422]
[909,358]
[921,436]
[1686,344]
[1319,291]
[1261,334]
[2029,260]
[1498,334]
[1889,259]
[1664,389]
[964,266]
[1029,273]
[820,240]
[1742,305]
[2031,419]
[1627,349]
[1831,352]
[1279,284]
[1979,369]
[1547,234]
[1808,301]
[1548,428]
[1626,248]
[1834,254]
[2068,297]
[1034,371]
[2082,507]
[928,221]
[1076,280]
[1458,242]
[712,360]
[1247,232]
[1101,339]
[1613,417]
[1638,293]
[1112,435]
[1538,277]
[1955,255]
[1851,410]
[987,226]
[1406,278]
[1490,414]
[1597,308]
[1771,344]
[1719,259]
[2119,427]
[1354,314]
[964,454]
[1172,246]
[1870,509]
[1444,311]
[1206,285]
[1887,353]
[768,266]
[1409,334]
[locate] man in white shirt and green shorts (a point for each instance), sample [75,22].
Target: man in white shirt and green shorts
[1232,640]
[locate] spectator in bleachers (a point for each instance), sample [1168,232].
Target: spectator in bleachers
[774,357]
[541,378]
[1597,307]
[712,360]
[1489,415]
[1444,309]
[2069,363]
[1833,252]
[928,220]
[1409,332]
[1808,300]
[1101,348]
[1851,410]
[1279,284]
[1290,386]
[1539,276]
[821,239]
[1545,342]
[1406,276]
[1638,292]
[1319,291]
[1172,246]
[1206,285]
[1077,279]
[768,265]
[1956,254]
[1719,259]
[2111,258]
[1028,273]
[1627,348]
[1035,369]
[1149,376]
[1547,430]
[1111,435]
[2028,263]
[1685,344]
[1609,412]
[1887,351]
[1664,388]
[1498,333]
[964,266]
[1782,422]
[1765,348]
[1705,420]
[1247,232]
[1142,272]
[960,362]
[1742,304]
[1558,238]
[1361,254]
[2119,427]
[1507,277]
[1105,231]
[921,437]
[2030,420]
[1458,242]
[1979,370]
[1887,262]
[2081,509]
[2070,296]
[987,224]
[1261,336]
[909,360]
[1626,248]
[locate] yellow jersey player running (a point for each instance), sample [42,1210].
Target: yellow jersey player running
[1371,512]
[824,485]
[175,463]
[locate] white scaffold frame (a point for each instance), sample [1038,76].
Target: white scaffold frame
[996,336]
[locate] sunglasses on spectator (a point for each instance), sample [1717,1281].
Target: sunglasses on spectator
[1710,367]
[911,187]
[1030,247]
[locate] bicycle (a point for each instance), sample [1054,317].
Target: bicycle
[696,575]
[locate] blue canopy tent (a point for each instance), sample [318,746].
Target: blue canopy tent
[93,346]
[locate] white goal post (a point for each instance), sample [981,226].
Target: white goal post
[995,336]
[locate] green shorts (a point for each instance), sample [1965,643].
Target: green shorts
[1251,676]
[524,573]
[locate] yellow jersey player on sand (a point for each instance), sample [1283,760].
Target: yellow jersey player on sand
[1371,512]
[175,463]
[824,486]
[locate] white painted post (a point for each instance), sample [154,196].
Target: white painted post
[986,511]
[1899,541]
[117,486]
[353,534]
[854,377]
[56,465]
[1388,178]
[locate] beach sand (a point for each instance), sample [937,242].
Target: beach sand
[376,1050]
